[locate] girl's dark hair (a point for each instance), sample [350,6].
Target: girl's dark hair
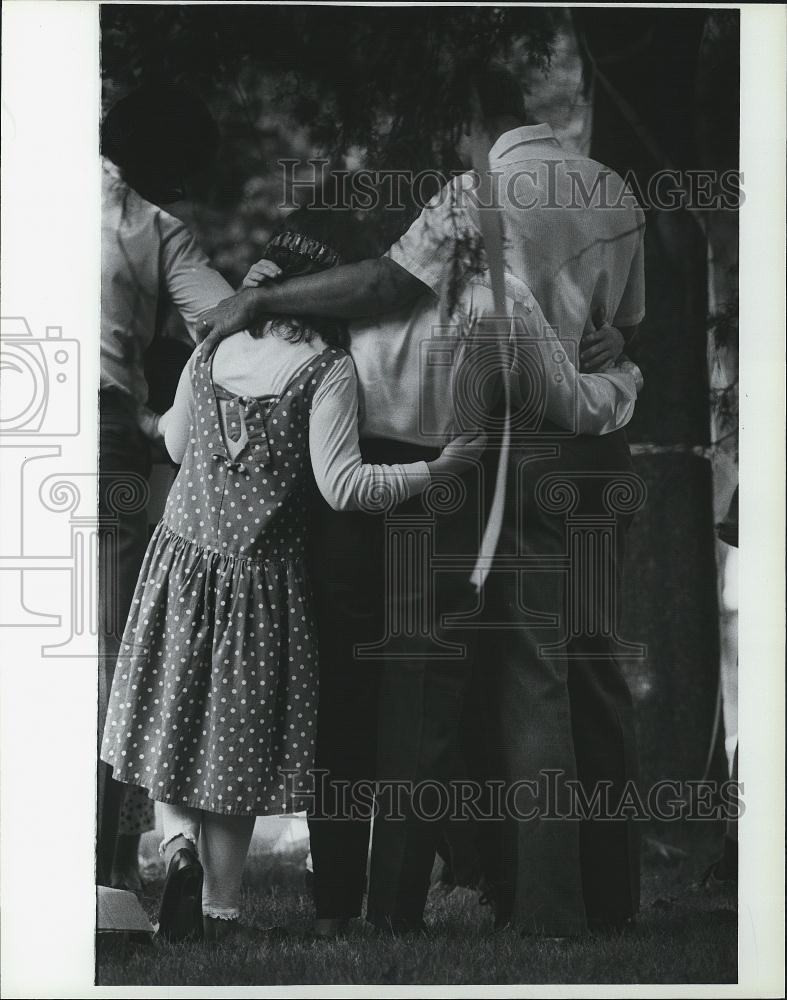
[336,230]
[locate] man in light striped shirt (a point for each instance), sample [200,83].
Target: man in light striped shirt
[572,231]
[579,258]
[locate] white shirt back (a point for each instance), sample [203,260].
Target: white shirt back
[572,231]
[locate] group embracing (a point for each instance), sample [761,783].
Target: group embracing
[359,601]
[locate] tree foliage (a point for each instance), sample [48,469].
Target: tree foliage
[380,84]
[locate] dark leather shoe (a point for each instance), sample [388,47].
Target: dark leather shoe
[499,899]
[215,930]
[180,913]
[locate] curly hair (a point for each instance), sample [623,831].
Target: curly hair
[336,230]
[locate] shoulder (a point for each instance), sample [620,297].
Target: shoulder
[118,199]
[459,192]
[323,363]
[171,228]
[229,355]
[334,377]
[451,195]
[334,363]
[589,167]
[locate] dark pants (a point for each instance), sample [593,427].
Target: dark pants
[346,571]
[124,466]
[557,706]
[392,710]
[425,673]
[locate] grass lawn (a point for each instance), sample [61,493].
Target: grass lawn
[685,935]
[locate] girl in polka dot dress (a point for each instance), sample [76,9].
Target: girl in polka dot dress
[212,708]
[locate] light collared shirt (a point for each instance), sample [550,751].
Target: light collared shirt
[147,258]
[572,232]
[408,362]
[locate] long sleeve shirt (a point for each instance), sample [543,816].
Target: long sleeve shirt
[247,366]
[148,258]
[409,362]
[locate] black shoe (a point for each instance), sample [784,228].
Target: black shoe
[180,913]
[719,877]
[500,901]
[215,929]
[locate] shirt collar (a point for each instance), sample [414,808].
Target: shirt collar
[111,169]
[512,145]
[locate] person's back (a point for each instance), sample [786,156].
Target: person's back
[245,477]
[151,140]
[146,255]
[213,702]
[573,232]
[407,360]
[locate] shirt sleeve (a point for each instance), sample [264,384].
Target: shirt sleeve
[585,403]
[193,285]
[177,422]
[342,478]
[428,246]
[632,305]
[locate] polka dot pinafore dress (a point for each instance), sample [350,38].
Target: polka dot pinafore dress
[214,698]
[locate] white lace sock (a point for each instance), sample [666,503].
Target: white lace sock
[181,829]
[224,845]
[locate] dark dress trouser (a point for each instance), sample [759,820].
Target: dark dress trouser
[548,711]
[393,711]
[425,675]
[346,572]
[124,467]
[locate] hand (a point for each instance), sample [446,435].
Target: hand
[460,454]
[627,366]
[263,270]
[149,423]
[600,348]
[237,312]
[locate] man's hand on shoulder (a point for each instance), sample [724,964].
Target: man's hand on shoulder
[235,313]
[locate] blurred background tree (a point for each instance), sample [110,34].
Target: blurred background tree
[359,86]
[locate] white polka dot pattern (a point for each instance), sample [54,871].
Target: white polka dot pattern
[214,698]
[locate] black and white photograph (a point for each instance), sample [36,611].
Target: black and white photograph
[380,387]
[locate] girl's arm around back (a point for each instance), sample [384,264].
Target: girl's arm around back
[342,478]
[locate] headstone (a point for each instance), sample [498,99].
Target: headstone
[120,912]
